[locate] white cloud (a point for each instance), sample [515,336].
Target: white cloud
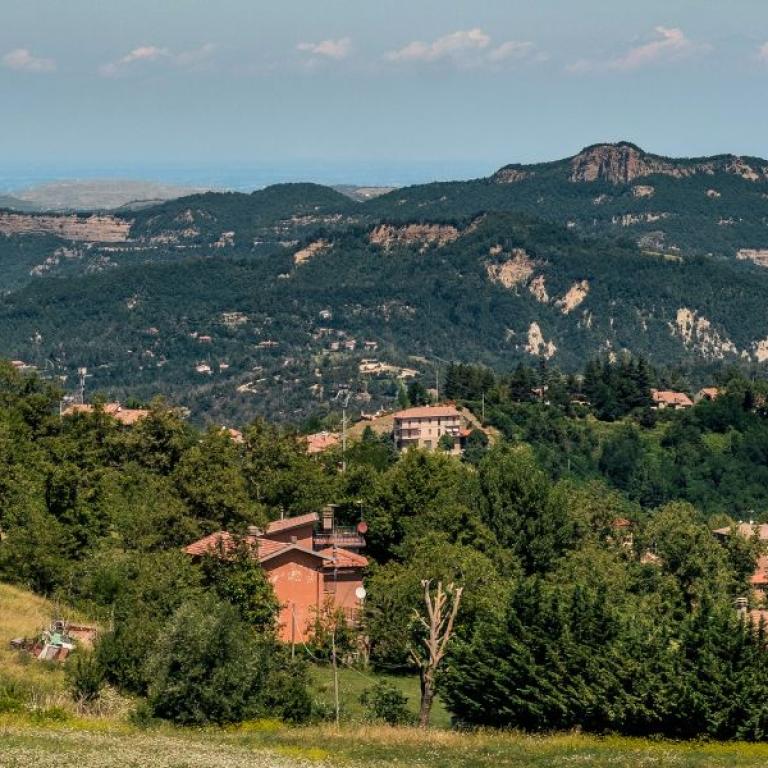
[670,43]
[329,49]
[762,53]
[465,47]
[512,49]
[448,45]
[148,54]
[22,60]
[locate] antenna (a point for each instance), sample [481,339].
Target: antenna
[80,395]
[343,393]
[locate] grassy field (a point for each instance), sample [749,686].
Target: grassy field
[352,684]
[52,731]
[103,744]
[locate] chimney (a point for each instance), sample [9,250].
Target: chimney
[328,513]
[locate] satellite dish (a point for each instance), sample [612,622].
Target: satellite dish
[360,593]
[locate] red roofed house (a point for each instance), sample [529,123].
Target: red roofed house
[664,398]
[126,416]
[321,441]
[707,393]
[306,567]
[759,579]
[423,427]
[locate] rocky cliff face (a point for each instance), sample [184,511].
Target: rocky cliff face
[96,229]
[623,163]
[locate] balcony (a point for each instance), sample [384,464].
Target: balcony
[346,537]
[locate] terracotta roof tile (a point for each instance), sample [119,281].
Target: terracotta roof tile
[343,558]
[224,540]
[668,397]
[747,530]
[427,411]
[321,441]
[291,522]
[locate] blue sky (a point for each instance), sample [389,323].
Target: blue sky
[364,91]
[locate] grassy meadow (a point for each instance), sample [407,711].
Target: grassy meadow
[52,729]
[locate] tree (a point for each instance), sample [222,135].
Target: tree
[209,666]
[517,505]
[438,625]
[386,703]
[446,442]
[237,577]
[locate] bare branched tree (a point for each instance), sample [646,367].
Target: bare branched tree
[438,623]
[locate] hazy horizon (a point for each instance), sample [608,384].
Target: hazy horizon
[344,92]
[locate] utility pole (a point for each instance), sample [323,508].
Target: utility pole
[335,674]
[437,375]
[345,394]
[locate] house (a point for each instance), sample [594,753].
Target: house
[308,565]
[321,441]
[664,398]
[423,427]
[707,393]
[751,530]
[126,416]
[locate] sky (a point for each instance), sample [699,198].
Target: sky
[239,92]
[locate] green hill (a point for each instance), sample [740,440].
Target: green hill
[236,304]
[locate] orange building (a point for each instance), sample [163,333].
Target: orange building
[305,566]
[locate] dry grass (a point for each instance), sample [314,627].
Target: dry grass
[90,743]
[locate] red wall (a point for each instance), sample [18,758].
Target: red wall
[298,584]
[302,533]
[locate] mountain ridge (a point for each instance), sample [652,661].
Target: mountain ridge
[235,304]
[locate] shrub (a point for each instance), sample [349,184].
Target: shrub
[385,702]
[209,666]
[85,676]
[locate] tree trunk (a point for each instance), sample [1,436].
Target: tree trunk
[427,696]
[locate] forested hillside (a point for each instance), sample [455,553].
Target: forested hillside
[235,304]
[590,581]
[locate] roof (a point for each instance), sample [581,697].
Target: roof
[621,522]
[747,530]
[291,522]
[127,416]
[668,397]
[428,411]
[344,558]
[266,549]
[760,577]
[321,441]
[711,392]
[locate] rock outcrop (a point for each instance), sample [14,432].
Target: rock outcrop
[623,163]
[574,296]
[516,269]
[310,250]
[537,344]
[697,333]
[387,236]
[94,229]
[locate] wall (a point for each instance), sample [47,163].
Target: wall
[298,584]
